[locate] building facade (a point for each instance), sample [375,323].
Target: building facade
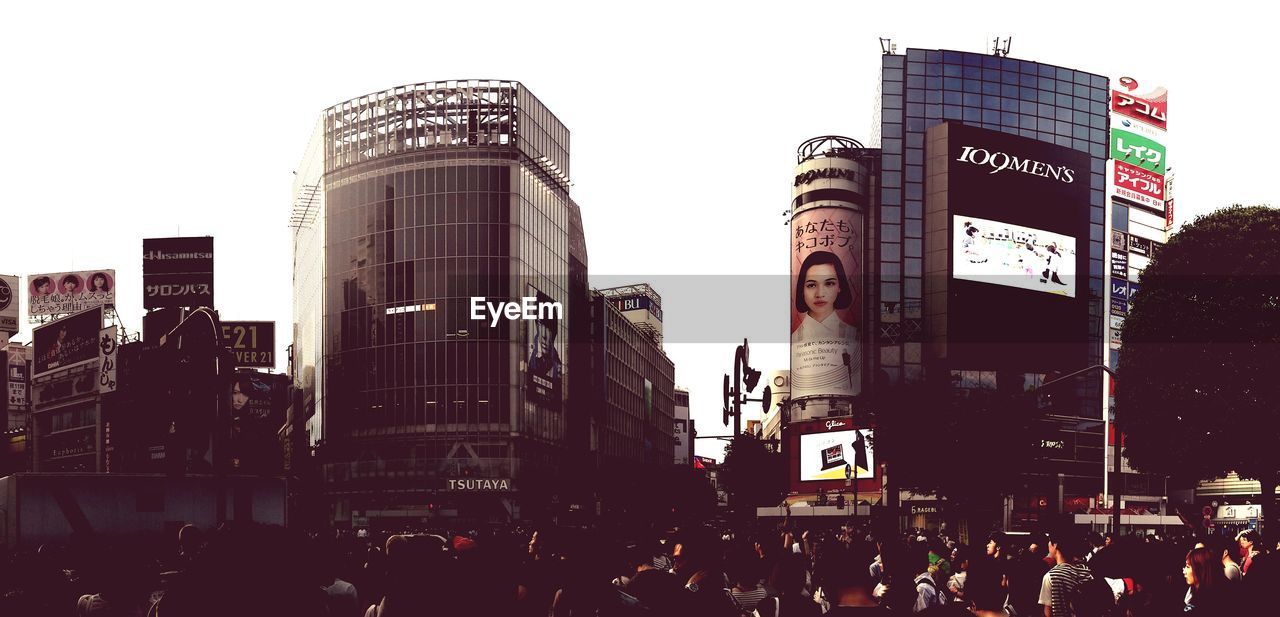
[410,202]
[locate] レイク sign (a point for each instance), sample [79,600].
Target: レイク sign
[1137,150]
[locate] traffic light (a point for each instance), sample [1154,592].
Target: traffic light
[840,501]
[822,496]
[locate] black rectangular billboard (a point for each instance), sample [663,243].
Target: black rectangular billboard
[253,342]
[1007,231]
[66,342]
[177,255]
[177,290]
[177,272]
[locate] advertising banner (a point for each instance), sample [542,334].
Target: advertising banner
[177,272]
[108,356]
[1012,255]
[1117,325]
[60,293]
[253,342]
[177,290]
[1119,307]
[823,456]
[177,255]
[1140,245]
[252,397]
[1151,107]
[8,304]
[826,303]
[1139,186]
[67,342]
[544,370]
[1168,214]
[1119,264]
[1137,151]
[17,376]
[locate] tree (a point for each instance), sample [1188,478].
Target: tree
[752,475]
[1197,387]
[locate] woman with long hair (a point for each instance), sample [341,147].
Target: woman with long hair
[1207,592]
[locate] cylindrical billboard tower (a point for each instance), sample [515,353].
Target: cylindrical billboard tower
[830,201]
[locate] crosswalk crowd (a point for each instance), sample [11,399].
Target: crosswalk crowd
[776,571]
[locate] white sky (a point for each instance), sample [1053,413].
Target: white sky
[129,121]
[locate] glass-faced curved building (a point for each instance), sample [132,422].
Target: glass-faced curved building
[410,202]
[1066,107]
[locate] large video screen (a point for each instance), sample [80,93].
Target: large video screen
[823,456]
[1001,253]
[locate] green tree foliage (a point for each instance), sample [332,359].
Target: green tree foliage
[1199,375]
[751,475]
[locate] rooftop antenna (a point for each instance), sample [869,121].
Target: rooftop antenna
[888,46]
[998,49]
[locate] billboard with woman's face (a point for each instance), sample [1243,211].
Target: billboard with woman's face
[59,293]
[826,298]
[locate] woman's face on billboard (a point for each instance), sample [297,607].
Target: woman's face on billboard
[821,288]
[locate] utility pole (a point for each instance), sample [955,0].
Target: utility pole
[1115,470]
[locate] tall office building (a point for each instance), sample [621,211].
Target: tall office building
[922,327]
[408,203]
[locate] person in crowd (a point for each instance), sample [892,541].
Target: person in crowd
[1025,574]
[1250,548]
[960,564]
[848,585]
[540,576]
[1069,588]
[788,580]
[748,589]
[928,594]
[1207,592]
[706,596]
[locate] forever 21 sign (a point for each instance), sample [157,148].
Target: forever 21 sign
[253,342]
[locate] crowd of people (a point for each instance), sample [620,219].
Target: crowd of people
[554,572]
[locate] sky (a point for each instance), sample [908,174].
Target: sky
[135,120]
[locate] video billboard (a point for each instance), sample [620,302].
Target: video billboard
[8,304]
[826,302]
[1012,255]
[1005,250]
[67,342]
[60,293]
[177,272]
[823,456]
[544,370]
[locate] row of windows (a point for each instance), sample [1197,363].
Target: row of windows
[411,364]
[422,280]
[919,125]
[1011,78]
[951,105]
[415,182]
[421,211]
[483,407]
[419,243]
[987,61]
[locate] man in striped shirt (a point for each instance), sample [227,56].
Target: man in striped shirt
[1063,589]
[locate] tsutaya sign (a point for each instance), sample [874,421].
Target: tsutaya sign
[480,484]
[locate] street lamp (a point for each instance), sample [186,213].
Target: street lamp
[1115,477]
